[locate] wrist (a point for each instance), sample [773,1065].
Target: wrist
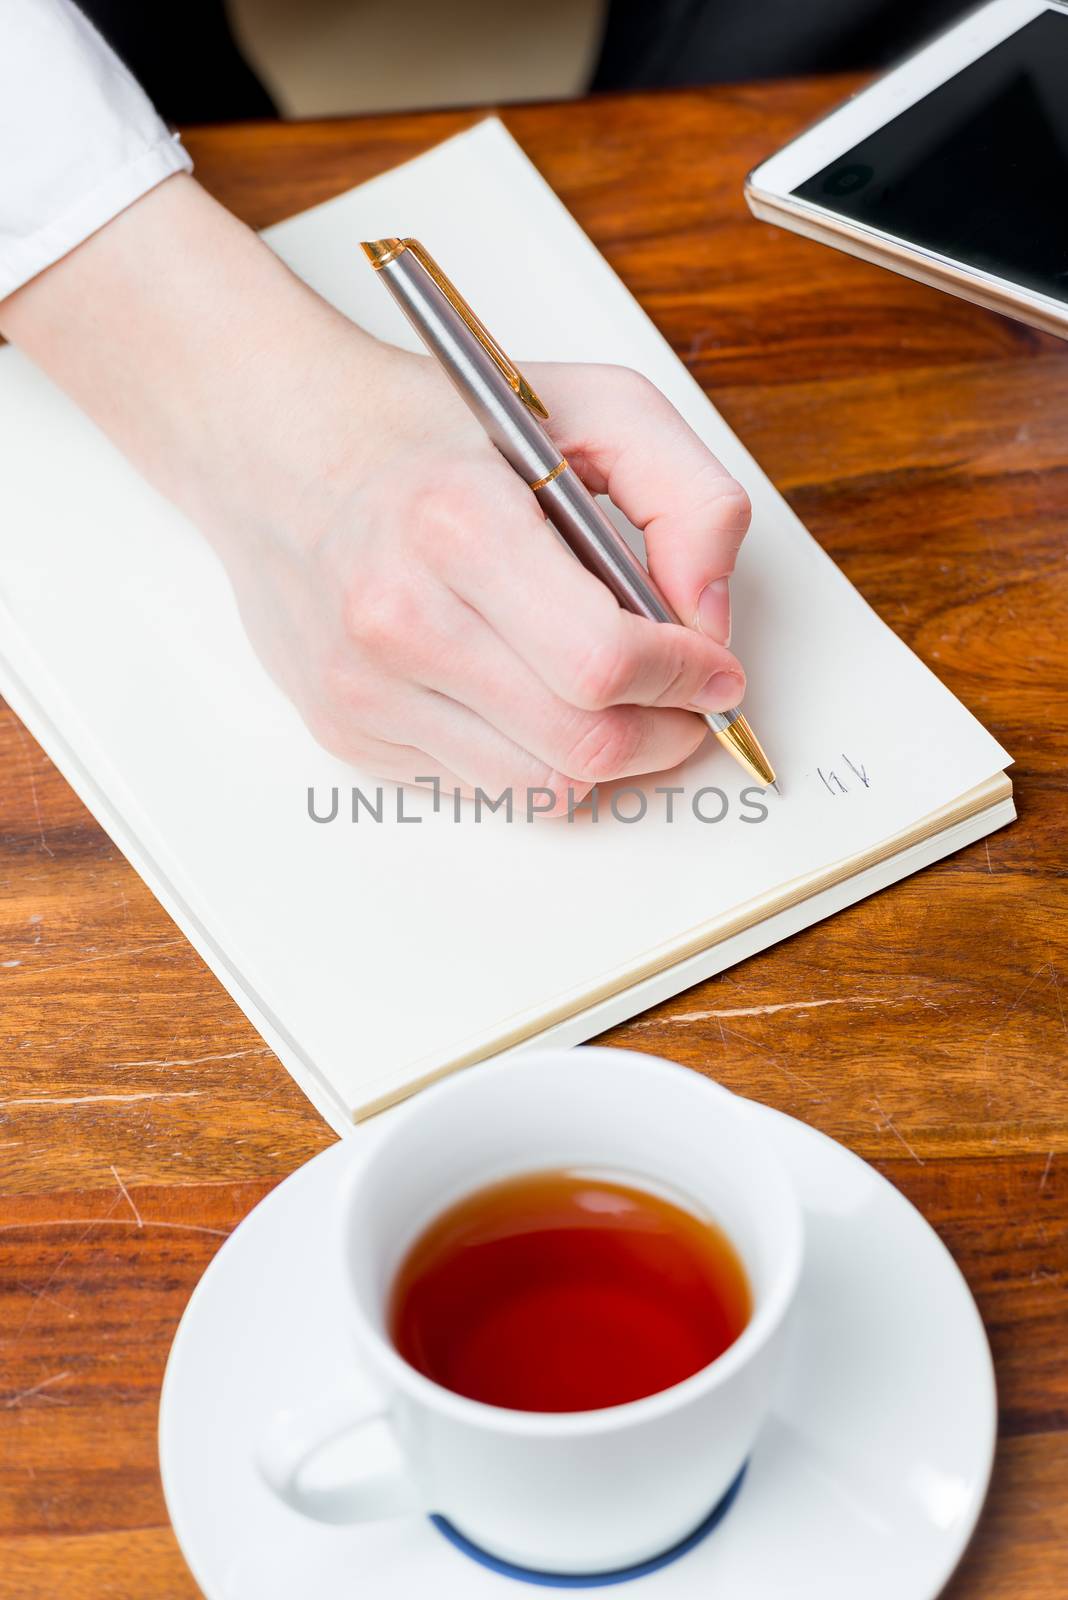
[209,364]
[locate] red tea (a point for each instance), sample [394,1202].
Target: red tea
[558,1291]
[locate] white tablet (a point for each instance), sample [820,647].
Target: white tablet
[953,168]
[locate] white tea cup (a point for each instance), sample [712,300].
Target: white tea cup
[575,1492]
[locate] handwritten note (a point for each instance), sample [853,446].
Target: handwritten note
[833,783]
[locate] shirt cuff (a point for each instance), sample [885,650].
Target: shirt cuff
[23,258]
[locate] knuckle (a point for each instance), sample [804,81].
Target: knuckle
[734,506]
[426,518]
[604,746]
[421,523]
[678,665]
[605,672]
[725,503]
[686,669]
[440,503]
[383,619]
[421,506]
[474,509]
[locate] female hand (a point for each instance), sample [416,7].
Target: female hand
[396,577]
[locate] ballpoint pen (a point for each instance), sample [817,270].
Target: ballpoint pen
[512,414]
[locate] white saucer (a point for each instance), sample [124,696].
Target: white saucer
[868,1479]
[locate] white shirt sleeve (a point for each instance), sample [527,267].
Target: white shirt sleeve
[79,138]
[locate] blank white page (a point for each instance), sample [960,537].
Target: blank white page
[382,952]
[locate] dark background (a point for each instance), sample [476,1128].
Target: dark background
[185,55]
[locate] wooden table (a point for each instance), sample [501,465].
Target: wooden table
[925,443]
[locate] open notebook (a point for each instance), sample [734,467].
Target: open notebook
[374,956]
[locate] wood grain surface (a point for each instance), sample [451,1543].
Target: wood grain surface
[925,443]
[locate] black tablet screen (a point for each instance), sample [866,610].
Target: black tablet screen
[978,169]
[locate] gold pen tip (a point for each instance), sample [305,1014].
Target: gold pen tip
[746,749]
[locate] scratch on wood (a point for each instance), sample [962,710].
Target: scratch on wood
[108,955]
[189,1061]
[61,1263]
[108,1222]
[127,1196]
[1047,966]
[39,1294]
[93,1099]
[798,1005]
[1045,1171]
[1060,1003]
[890,1126]
[769,1010]
[26,1394]
[64,1038]
[762,1050]
[1045,1275]
[986,847]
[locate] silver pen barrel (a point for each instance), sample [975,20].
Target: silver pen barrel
[473,372]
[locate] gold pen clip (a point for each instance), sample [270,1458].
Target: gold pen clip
[380,252]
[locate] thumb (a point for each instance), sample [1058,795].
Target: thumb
[624,438]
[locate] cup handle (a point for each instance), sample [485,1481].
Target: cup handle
[294,1438]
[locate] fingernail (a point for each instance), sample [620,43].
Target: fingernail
[722,691]
[714,610]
